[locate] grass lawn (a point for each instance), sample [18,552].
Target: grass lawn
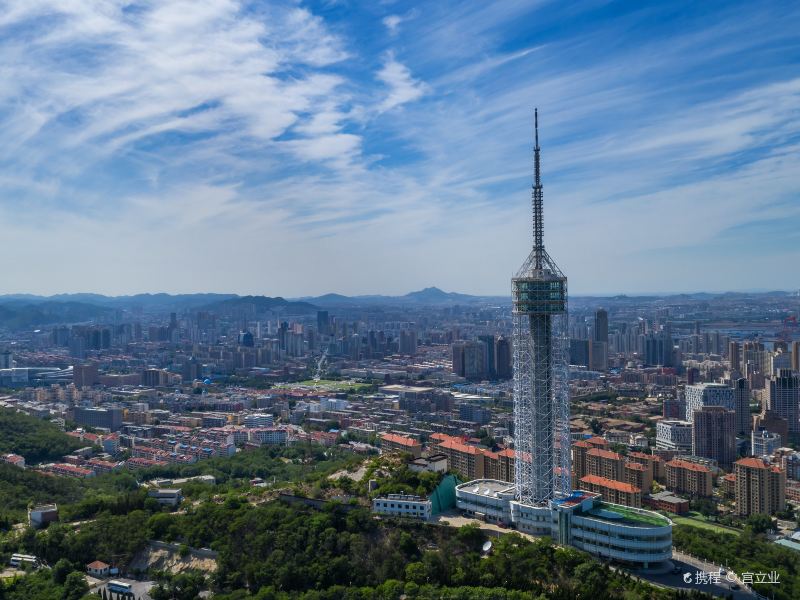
[329,384]
[701,524]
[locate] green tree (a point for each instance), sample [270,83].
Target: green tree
[61,569]
[75,587]
[761,523]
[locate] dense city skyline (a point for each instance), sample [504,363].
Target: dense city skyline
[295,150]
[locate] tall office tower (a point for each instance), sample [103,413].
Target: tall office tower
[6,359]
[598,356]
[541,386]
[784,398]
[741,402]
[714,435]
[579,352]
[502,358]
[656,349]
[796,357]
[488,341]
[469,360]
[323,322]
[601,325]
[734,356]
[707,394]
[408,342]
[754,358]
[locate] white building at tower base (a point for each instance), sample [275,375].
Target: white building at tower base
[583,520]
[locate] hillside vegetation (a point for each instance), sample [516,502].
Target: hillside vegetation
[35,439]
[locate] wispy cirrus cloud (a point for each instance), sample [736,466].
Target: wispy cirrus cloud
[401,85]
[142,135]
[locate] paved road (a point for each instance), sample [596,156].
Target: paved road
[688,570]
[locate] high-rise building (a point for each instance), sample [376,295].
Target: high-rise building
[656,349]
[754,358]
[598,356]
[469,359]
[714,435]
[784,398]
[502,358]
[323,322]
[707,394]
[674,435]
[764,443]
[579,352]
[488,341]
[601,325]
[734,356]
[689,478]
[673,408]
[741,399]
[408,342]
[541,373]
[760,487]
[796,356]
[772,422]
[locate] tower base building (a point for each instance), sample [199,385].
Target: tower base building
[632,536]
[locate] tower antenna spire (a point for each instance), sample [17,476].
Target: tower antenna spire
[537,198]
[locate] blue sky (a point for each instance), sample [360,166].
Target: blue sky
[299,148]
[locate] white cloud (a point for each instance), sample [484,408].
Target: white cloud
[403,88]
[392,23]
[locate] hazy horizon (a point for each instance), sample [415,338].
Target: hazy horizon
[400,294]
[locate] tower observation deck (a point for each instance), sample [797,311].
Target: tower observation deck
[541,375]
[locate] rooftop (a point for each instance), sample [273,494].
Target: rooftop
[487,487]
[685,464]
[620,486]
[604,454]
[624,515]
[399,439]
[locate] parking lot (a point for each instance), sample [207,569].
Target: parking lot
[140,589]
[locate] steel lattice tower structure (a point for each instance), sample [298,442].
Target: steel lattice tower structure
[541,366]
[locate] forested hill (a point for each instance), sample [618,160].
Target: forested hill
[35,439]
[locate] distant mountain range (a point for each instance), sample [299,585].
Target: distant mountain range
[21,311]
[427,296]
[17,314]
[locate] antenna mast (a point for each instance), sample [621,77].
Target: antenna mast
[536,199]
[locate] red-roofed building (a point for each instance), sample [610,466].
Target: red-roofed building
[760,487]
[639,475]
[70,471]
[98,569]
[616,492]
[472,462]
[604,463]
[689,478]
[392,442]
[13,459]
[144,463]
[657,470]
[728,485]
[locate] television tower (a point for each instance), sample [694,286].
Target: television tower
[541,366]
